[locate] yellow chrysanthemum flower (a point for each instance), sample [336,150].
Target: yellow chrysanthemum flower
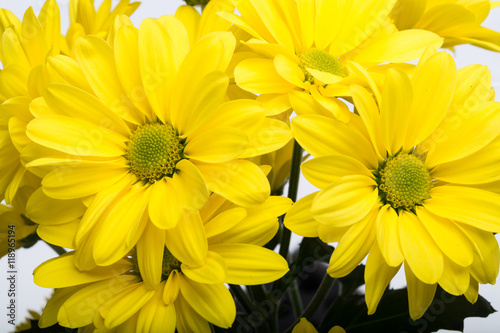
[318,46]
[86,20]
[404,182]
[24,49]
[184,294]
[158,128]
[457,21]
[304,326]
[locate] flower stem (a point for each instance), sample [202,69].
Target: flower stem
[319,297]
[243,298]
[293,187]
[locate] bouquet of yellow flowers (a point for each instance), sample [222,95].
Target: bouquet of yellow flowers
[161,161]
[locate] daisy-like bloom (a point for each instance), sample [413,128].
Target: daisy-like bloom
[318,47]
[86,20]
[305,326]
[404,183]
[457,21]
[24,49]
[156,139]
[186,291]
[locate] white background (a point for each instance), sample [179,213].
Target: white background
[30,296]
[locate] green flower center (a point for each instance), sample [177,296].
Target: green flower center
[404,181]
[153,151]
[170,263]
[322,61]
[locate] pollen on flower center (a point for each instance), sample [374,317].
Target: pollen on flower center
[170,263]
[322,61]
[405,181]
[153,151]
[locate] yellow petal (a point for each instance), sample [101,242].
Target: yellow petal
[272,135]
[190,185]
[289,70]
[149,251]
[172,287]
[480,167]
[61,272]
[96,58]
[388,236]
[121,228]
[346,201]
[13,81]
[187,240]
[325,136]
[420,295]
[324,170]
[224,221]
[12,49]
[211,272]
[76,137]
[250,264]
[259,76]
[125,304]
[239,181]
[212,301]
[377,277]
[397,99]
[300,220]
[51,23]
[473,292]
[486,263]
[63,69]
[370,116]
[353,247]
[79,310]
[165,215]
[217,145]
[156,316]
[198,103]
[470,134]
[402,46]
[259,226]
[49,315]
[304,326]
[188,319]
[190,18]
[455,279]
[60,235]
[450,239]
[419,249]
[33,39]
[61,211]
[432,96]
[87,179]
[472,206]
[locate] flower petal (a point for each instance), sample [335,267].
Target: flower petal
[212,301]
[353,247]
[211,272]
[388,236]
[478,208]
[346,201]
[166,205]
[450,239]
[149,251]
[455,279]
[259,76]
[299,218]
[156,316]
[60,235]
[187,240]
[420,250]
[420,295]
[61,272]
[239,181]
[189,184]
[61,211]
[217,145]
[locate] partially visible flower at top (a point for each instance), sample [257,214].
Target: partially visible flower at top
[457,21]
[318,47]
[16,230]
[157,127]
[25,47]
[86,20]
[176,286]
[305,326]
[406,182]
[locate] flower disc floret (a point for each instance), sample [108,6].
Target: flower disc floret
[405,181]
[322,61]
[153,151]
